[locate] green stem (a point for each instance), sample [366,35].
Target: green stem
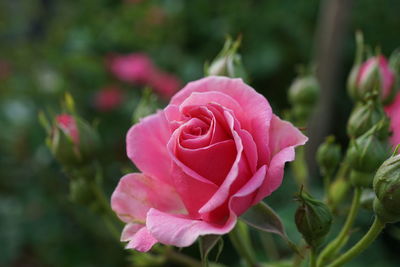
[341,239]
[240,239]
[269,246]
[364,243]
[299,167]
[340,186]
[313,258]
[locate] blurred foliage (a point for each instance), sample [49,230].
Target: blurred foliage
[48,47]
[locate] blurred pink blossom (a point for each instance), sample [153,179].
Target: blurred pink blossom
[132,68]
[165,84]
[393,111]
[108,98]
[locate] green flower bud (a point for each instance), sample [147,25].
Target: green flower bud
[72,140]
[304,91]
[313,219]
[361,179]
[368,151]
[367,199]
[328,156]
[363,117]
[228,62]
[387,190]
[352,82]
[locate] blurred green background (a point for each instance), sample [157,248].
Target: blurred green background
[49,47]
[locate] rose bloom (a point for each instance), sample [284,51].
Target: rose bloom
[393,112]
[67,124]
[386,75]
[164,84]
[132,68]
[212,153]
[108,98]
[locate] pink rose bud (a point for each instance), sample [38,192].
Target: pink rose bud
[375,74]
[132,68]
[72,140]
[165,84]
[67,124]
[108,99]
[216,150]
[393,112]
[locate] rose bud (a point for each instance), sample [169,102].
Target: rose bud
[72,140]
[304,90]
[313,219]
[387,190]
[366,153]
[328,156]
[374,74]
[228,62]
[363,117]
[393,112]
[212,153]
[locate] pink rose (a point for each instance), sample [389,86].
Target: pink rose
[393,112]
[67,124]
[108,98]
[386,76]
[165,84]
[212,153]
[133,68]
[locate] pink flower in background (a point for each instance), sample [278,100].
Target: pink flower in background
[212,153]
[393,111]
[386,75]
[165,84]
[108,98]
[134,68]
[67,124]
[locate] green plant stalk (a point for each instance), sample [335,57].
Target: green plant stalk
[300,169]
[342,238]
[240,239]
[313,257]
[342,173]
[364,243]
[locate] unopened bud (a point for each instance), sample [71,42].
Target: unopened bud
[363,117]
[313,219]
[72,140]
[328,156]
[304,91]
[228,62]
[387,190]
[367,152]
[373,75]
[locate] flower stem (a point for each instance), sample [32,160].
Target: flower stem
[240,239]
[364,243]
[313,258]
[299,167]
[341,239]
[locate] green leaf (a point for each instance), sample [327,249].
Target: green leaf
[264,218]
[206,244]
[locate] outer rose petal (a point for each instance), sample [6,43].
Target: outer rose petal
[147,146]
[258,111]
[284,137]
[183,231]
[134,196]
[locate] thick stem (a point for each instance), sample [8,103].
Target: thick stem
[364,243]
[341,239]
[299,167]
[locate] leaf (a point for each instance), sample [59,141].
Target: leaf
[264,218]
[206,244]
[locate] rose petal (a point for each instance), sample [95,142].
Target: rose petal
[284,137]
[142,241]
[393,112]
[147,146]
[137,193]
[258,111]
